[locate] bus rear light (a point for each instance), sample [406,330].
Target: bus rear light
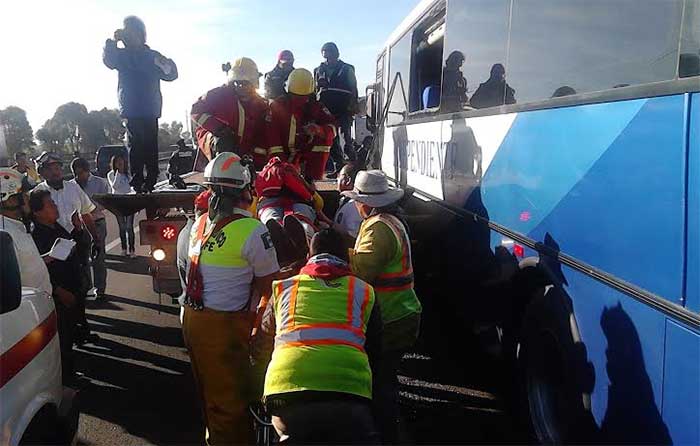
[168,232]
[518,250]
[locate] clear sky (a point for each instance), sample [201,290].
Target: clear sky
[51,50]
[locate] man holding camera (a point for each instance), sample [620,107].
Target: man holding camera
[140,102]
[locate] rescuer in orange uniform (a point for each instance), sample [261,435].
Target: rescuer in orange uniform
[300,127]
[231,118]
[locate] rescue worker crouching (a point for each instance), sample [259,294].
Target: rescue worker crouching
[230,254]
[300,127]
[382,257]
[318,385]
[231,118]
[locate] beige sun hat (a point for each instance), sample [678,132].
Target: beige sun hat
[372,188]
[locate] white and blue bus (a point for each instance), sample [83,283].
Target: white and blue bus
[564,134]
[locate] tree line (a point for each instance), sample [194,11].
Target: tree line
[72,129]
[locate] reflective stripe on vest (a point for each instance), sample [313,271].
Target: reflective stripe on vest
[291,139]
[402,279]
[349,332]
[241,121]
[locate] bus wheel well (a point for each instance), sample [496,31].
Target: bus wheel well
[42,428]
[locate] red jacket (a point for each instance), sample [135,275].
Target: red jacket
[286,120]
[279,178]
[222,107]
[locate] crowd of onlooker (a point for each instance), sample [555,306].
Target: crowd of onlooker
[39,208]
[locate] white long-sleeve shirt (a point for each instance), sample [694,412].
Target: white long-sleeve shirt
[118,182]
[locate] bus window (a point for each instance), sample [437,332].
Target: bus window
[399,69]
[426,72]
[590,46]
[689,59]
[476,35]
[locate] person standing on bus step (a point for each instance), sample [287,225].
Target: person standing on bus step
[495,91]
[382,257]
[454,85]
[336,87]
[140,102]
[230,254]
[14,216]
[118,180]
[326,328]
[231,118]
[275,79]
[93,185]
[299,128]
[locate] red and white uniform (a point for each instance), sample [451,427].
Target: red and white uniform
[288,134]
[245,117]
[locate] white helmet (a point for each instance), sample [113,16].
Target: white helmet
[244,69]
[10,183]
[226,170]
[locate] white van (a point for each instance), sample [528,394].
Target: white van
[34,406]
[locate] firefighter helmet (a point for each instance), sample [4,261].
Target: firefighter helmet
[226,170]
[244,70]
[10,183]
[300,82]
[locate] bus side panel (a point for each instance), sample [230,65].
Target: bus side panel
[693,243]
[602,183]
[682,384]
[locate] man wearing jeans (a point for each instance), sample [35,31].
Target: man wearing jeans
[140,71]
[93,185]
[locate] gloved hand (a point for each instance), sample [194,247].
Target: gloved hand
[225,140]
[312,129]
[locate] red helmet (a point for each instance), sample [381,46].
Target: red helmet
[285,55]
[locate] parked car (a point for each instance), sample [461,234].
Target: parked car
[104,156]
[34,406]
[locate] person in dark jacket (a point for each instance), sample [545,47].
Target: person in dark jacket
[495,91]
[454,85]
[336,86]
[275,79]
[140,102]
[65,275]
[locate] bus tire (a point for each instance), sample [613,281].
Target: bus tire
[555,378]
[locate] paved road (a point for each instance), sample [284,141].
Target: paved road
[140,388]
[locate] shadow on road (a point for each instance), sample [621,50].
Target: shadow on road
[139,265]
[167,336]
[155,402]
[168,309]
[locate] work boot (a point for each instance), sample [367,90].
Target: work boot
[280,240]
[297,235]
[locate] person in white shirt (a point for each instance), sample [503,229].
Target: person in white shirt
[119,180]
[74,206]
[14,207]
[347,219]
[74,211]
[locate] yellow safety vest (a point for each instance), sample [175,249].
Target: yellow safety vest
[319,344]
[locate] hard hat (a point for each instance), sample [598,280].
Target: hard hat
[244,70]
[300,82]
[226,170]
[10,183]
[47,158]
[285,55]
[331,48]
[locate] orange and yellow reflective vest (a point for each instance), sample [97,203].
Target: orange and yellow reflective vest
[320,336]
